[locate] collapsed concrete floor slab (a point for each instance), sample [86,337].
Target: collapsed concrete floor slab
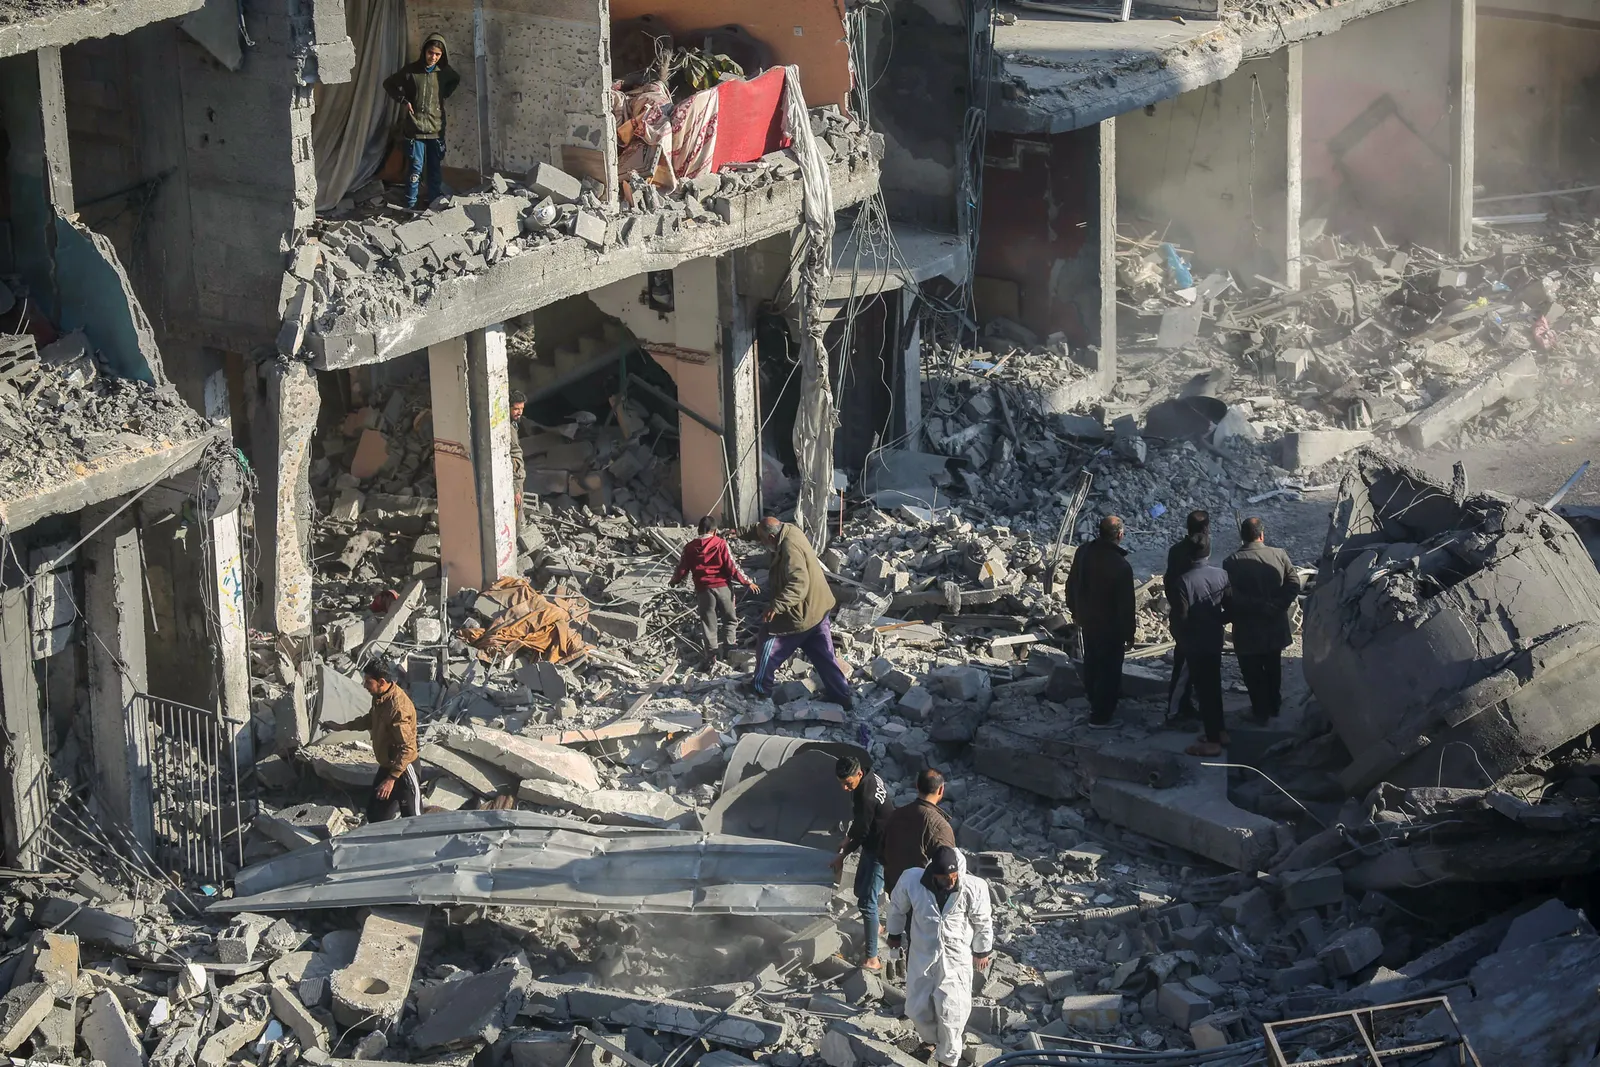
[521,858]
[1451,636]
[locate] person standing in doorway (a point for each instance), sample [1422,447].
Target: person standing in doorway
[1180,700]
[519,463]
[421,88]
[1100,597]
[870,808]
[708,560]
[392,723]
[1265,588]
[1199,622]
[797,616]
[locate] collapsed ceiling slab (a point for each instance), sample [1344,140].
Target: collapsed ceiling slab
[518,858]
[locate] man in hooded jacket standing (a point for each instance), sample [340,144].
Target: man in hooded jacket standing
[944,915]
[421,88]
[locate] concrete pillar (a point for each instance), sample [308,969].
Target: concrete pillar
[460,533]
[283,518]
[697,369]
[114,607]
[24,766]
[741,414]
[908,397]
[1463,45]
[1292,146]
[229,637]
[493,437]
[1105,367]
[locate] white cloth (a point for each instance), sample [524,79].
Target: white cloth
[939,951]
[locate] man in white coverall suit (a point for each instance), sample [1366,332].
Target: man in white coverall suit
[945,913]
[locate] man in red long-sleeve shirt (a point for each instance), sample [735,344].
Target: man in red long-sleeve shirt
[708,560]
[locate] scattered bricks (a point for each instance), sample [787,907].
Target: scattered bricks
[1060,983]
[815,943]
[878,668]
[686,745]
[994,1019]
[962,683]
[544,180]
[1292,364]
[108,1035]
[1313,889]
[293,1014]
[237,942]
[1206,987]
[414,235]
[53,960]
[1298,976]
[973,833]
[371,992]
[1251,909]
[503,213]
[590,227]
[978,1055]
[21,1012]
[451,222]
[1200,938]
[179,1045]
[220,1048]
[789,692]
[1182,1005]
[1308,934]
[915,703]
[1085,859]
[898,681]
[281,938]
[1097,1013]
[346,634]
[615,624]
[303,264]
[1351,950]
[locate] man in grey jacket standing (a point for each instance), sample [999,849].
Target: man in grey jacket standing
[1265,587]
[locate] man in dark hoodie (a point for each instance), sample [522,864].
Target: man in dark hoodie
[1100,597]
[422,88]
[1200,601]
[1180,699]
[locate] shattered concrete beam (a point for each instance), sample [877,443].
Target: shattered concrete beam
[106,480]
[553,272]
[519,858]
[567,1003]
[64,23]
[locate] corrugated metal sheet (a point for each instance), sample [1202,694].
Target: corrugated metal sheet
[518,858]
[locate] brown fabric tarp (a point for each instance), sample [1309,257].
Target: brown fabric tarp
[529,620]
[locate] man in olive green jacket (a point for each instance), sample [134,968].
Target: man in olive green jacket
[797,618]
[421,87]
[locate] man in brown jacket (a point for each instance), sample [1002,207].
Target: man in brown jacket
[797,618]
[396,790]
[915,832]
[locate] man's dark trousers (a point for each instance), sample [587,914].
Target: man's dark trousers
[1263,677]
[1102,675]
[1205,671]
[1180,689]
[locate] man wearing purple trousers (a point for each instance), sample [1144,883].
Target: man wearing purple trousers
[797,617]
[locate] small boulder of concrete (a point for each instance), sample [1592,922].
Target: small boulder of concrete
[21,1012]
[108,1035]
[371,993]
[472,1011]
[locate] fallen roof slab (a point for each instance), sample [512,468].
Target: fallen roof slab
[553,1001]
[518,858]
[53,24]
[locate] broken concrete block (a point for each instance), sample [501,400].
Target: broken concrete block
[293,1014]
[1305,449]
[479,775]
[686,745]
[961,683]
[21,1012]
[524,757]
[622,627]
[221,1047]
[1182,1005]
[469,1012]
[1548,920]
[846,1044]
[415,234]
[915,703]
[590,227]
[614,807]
[1350,951]
[1097,1013]
[541,1048]
[1317,888]
[1512,379]
[372,452]
[53,960]
[237,942]
[1298,976]
[111,926]
[790,691]
[545,180]
[371,992]
[1292,364]
[108,1035]
[815,943]
[1251,909]
[860,987]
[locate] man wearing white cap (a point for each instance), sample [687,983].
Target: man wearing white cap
[944,914]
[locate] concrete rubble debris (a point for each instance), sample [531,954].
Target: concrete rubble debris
[371,992]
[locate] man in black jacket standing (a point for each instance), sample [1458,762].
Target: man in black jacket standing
[1100,597]
[1180,699]
[1199,620]
[871,807]
[1265,587]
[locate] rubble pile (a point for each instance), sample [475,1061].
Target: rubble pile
[358,271]
[1405,347]
[59,412]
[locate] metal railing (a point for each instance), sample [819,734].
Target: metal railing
[194,786]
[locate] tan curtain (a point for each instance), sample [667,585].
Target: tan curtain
[350,126]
